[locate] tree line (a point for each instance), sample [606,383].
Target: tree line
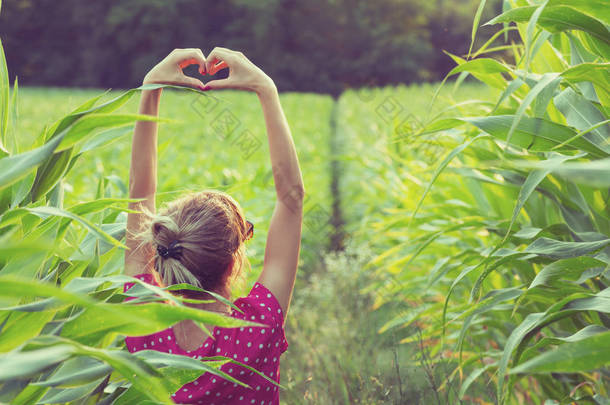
[315,45]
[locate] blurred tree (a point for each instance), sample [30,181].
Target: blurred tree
[315,45]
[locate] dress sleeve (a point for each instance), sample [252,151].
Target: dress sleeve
[262,306]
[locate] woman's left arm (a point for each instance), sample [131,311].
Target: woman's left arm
[143,169]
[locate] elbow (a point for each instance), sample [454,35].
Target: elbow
[294,198]
[300,193]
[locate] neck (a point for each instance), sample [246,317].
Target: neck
[188,333]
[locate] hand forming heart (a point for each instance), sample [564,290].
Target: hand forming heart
[243,74]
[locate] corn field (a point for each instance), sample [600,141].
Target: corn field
[483,201]
[497,268]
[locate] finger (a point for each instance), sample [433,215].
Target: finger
[217,55]
[190,56]
[187,62]
[201,65]
[219,84]
[192,82]
[216,68]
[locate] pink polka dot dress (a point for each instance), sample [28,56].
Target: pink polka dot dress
[258,347]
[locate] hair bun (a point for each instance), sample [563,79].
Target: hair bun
[173,250]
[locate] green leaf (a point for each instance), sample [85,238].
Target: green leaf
[84,127]
[4,101]
[596,73]
[565,269]
[535,322]
[440,168]
[541,103]
[592,173]
[557,249]
[548,80]
[480,65]
[513,340]
[442,125]
[21,327]
[91,245]
[45,212]
[49,174]
[534,134]
[86,108]
[533,180]
[557,19]
[403,320]
[475,24]
[582,133]
[506,256]
[110,106]
[105,138]
[62,395]
[11,286]
[472,378]
[138,320]
[593,8]
[599,302]
[531,25]
[20,364]
[100,204]
[75,372]
[492,300]
[186,286]
[584,355]
[160,359]
[582,115]
[29,395]
[543,343]
[145,377]
[15,167]
[510,89]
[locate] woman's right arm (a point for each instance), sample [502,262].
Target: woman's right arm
[143,166]
[284,237]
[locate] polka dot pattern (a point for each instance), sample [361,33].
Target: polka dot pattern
[259,347]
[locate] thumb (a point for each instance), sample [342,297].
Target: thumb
[219,84]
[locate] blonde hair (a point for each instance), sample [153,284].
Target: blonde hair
[209,228]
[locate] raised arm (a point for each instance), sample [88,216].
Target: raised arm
[143,169]
[284,237]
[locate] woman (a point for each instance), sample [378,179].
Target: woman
[199,239]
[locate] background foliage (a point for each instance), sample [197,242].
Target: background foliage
[318,45]
[496,266]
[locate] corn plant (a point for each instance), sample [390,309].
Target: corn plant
[499,267]
[62,316]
